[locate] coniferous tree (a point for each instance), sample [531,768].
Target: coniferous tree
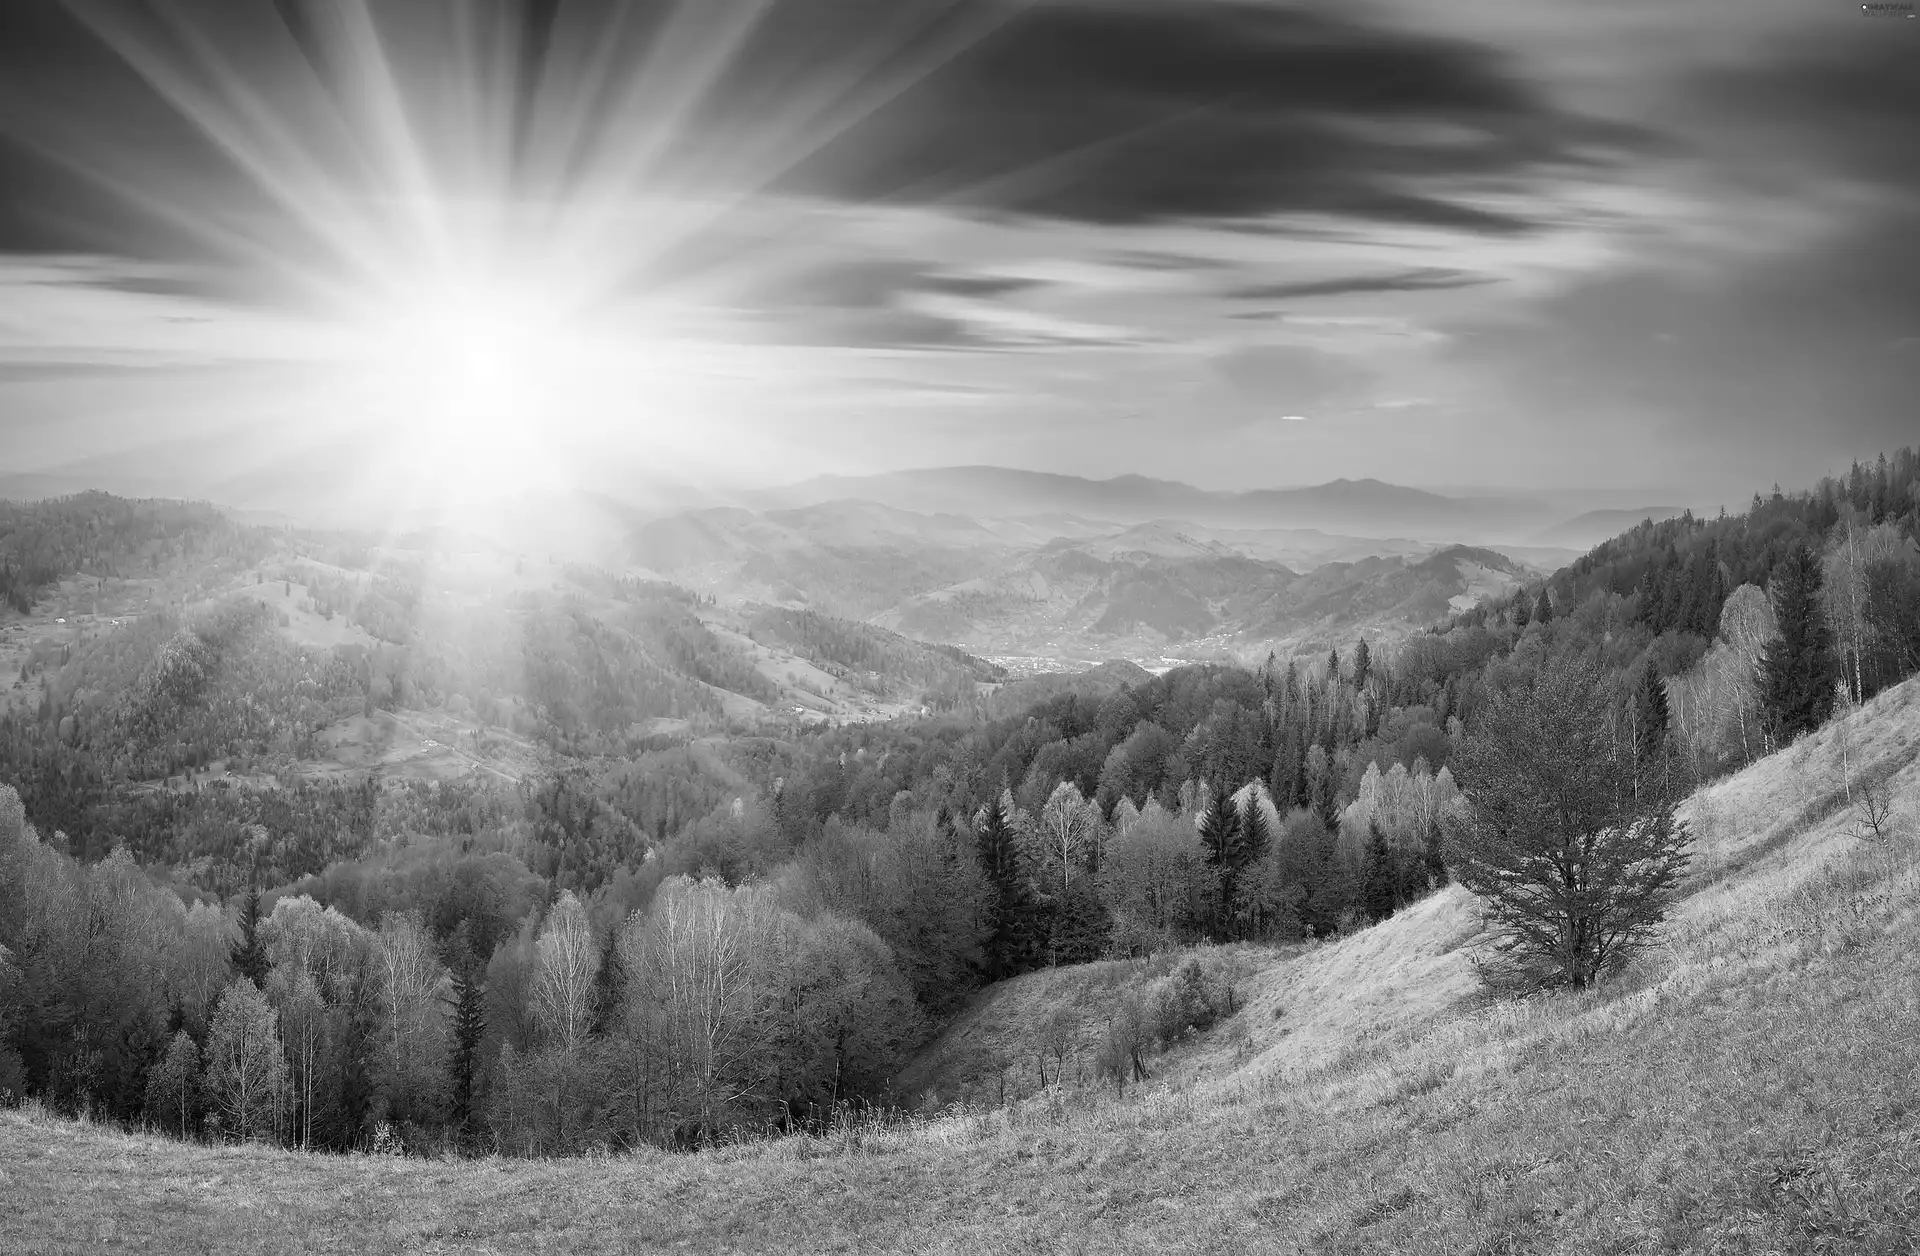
[609,985]
[1543,608]
[1653,588]
[1650,715]
[1081,925]
[1323,789]
[249,953]
[1288,782]
[469,1029]
[1379,884]
[1252,839]
[1798,671]
[1008,911]
[1219,836]
[1255,837]
[1362,664]
[1522,608]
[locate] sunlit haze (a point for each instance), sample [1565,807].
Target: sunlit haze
[409,254]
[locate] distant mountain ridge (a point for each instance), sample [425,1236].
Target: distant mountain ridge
[1367,506]
[1165,587]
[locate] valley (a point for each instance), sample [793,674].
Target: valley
[439,840]
[977,627]
[1071,589]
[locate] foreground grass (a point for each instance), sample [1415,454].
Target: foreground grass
[1769,1108]
[1754,1088]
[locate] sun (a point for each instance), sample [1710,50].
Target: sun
[471,378]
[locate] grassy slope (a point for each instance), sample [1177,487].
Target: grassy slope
[1753,1088]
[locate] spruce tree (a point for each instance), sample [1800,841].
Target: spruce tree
[469,1029]
[1081,927]
[1522,608]
[1219,838]
[1362,665]
[1798,671]
[1255,837]
[1325,800]
[1379,884]
[609,985]
[1251,843]
[1543,608]
[1007,908]
[1650,715]
[249,954]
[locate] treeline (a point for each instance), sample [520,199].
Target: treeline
[712,1009]
[1695,600]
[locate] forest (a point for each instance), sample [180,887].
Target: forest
[668,942]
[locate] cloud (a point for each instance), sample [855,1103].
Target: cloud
[975,285]
[1127,112]
[1153,260]
[1424,279]
[1293,418]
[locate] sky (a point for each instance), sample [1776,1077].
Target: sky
[375,248]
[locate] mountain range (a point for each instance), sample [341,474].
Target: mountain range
[1018,563]
[1067,586]
[1369,507]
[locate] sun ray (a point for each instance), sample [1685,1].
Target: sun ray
[516,233]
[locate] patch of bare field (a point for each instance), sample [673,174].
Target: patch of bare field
[421,745]
[299,622]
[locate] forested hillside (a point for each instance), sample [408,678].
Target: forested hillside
[104,535]
[512,963]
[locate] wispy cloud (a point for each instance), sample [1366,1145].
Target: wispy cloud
[1033,220]
[1425,279]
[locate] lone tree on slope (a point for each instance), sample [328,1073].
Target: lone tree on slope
[1798,673]
[1568,837]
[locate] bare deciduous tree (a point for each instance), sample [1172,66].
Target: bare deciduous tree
[246,1073]
[413,987]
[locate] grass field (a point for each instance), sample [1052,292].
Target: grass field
[1754,1086]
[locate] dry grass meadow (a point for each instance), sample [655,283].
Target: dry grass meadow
[1752,1087]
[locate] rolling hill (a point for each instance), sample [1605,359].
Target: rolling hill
[1070,587]
[1369,507]
[1746,1087]
[1155,591]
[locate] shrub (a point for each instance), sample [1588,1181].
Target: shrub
[1188,1000]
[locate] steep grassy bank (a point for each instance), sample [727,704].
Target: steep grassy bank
[1753,1087]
